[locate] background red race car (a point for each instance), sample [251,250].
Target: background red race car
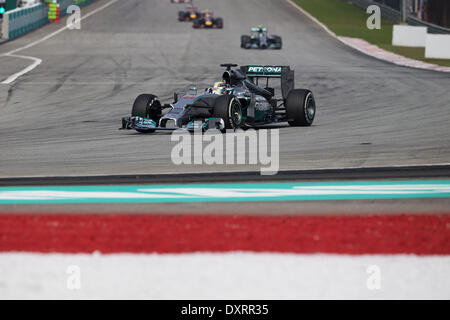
[190,14]
[207,20]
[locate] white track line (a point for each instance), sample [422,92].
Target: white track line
[410,63]
[38,61]
[13,77]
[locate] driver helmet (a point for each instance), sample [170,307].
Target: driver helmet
[219,87]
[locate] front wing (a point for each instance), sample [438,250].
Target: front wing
[148,125]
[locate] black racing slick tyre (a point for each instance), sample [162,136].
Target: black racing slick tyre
[198,23]
[147,106]
[300,108]
[245,41]
[278,42]
[229,109]
[219,23]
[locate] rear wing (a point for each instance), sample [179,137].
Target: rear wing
[284,73]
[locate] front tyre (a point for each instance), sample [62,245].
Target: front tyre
[147,106]
[278,43]
[229,109]
[198,23]
[300,108]
[245,41]
[219,23]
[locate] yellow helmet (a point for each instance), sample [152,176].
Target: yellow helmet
[219,87]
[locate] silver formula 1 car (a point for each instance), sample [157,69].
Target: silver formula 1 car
[260,39]
[190,14]
[238,101]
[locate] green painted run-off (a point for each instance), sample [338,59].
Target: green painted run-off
[233,192]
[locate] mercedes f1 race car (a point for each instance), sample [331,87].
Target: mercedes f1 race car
[260,39]
[190,14]
[207,20]
[238,101]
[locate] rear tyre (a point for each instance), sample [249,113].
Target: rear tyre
[300,108]
[147,106]
[229,109]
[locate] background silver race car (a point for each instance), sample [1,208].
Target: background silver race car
[260,39]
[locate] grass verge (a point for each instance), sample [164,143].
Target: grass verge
[345,19]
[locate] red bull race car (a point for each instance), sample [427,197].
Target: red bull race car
[207,20]
[190,14]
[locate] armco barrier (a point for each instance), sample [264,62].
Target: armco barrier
[22,20]
[432,28]
[386,12]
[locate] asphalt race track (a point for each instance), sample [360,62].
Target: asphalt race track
[62,117]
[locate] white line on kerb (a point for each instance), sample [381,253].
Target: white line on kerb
[38,61]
